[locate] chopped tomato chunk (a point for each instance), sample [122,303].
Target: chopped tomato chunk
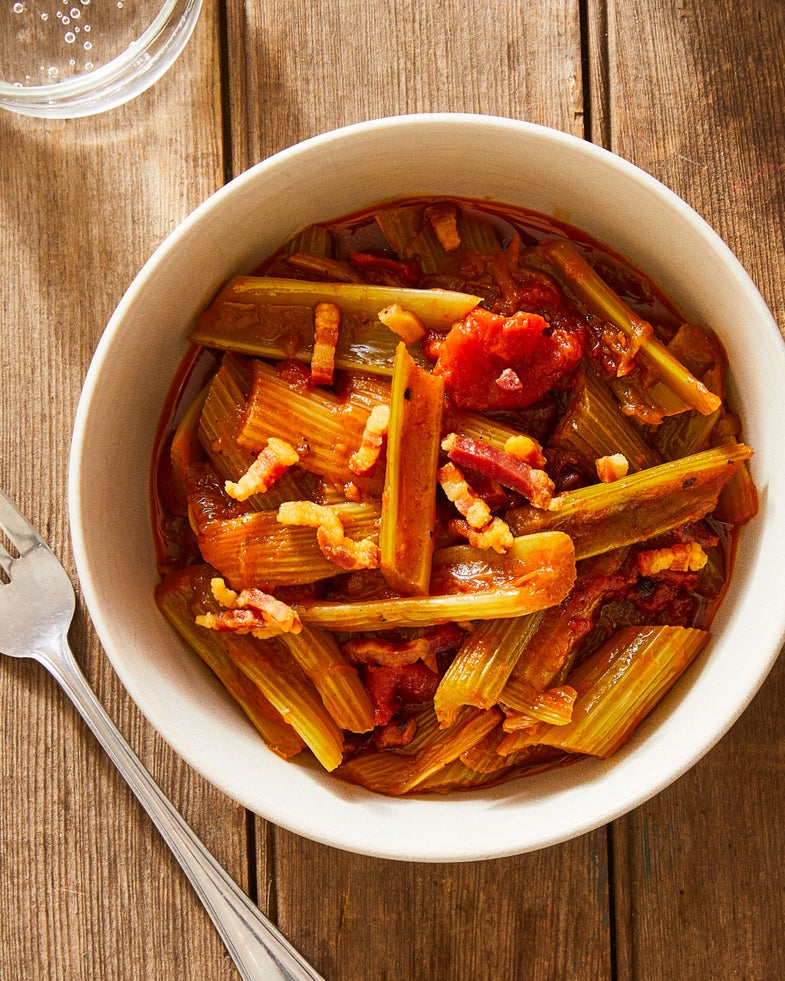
[484,350]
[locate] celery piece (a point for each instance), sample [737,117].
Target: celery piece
[221,415]
[313,239]
[593,426]
[419,611]
[460,776]
[602,517]
[478,426]
[337,681]
[400,225]
[451,743]
[738,502]
[553,705]
[323,427]
[271,667]
[547,557]
[686,433]
[533,688]
[619,685]
[477,234]
[320,265]
[601,300]
[482,665]
[272,317]
[410,235]
[175,595]
[406,534]
[185,447]
[254,549]
[395,772]
[540,574]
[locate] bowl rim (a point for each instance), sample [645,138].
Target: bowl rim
[371,839]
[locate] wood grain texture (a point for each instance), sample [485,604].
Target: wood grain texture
[88,890]
[298,68]
[538,916]
[694,96]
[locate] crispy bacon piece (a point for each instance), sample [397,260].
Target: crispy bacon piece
[444,221]
[610,468]
[396,734]
[458,491]
[326,325]
[498,465]
[378,650]
[526,449]
[272,463]
[687,557]
[406,271]
[482,529]
[496,534]
[392,686]
[405,323]
[346,553]
[364,458]
[250,611]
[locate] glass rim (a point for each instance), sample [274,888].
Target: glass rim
[119,80]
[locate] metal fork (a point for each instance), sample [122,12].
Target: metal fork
[36,608]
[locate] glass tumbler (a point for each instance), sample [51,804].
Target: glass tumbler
[62,58]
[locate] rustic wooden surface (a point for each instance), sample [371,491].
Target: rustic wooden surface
[689,885]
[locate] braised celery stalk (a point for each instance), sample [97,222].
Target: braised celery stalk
[539,574]
[406,534]
[185,447]
[617,688]
[738,502]
[268,664]
[482,665]
[535,687]
[271,667]
[314,239]
[545,559]
[419,611]
[337,681]
[602,517]
[394,772]
[459,776]
[324,428]
[601,300]
[254,549]
[477,426]
[273,318]
[175,596]
[400,226]
[484,756]
[593,426]
[410,232]
[221,415]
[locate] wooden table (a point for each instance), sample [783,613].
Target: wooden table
[689,886]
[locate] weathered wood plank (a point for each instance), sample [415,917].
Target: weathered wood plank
[695,97]
[539,916]
[299,68]
[88,890]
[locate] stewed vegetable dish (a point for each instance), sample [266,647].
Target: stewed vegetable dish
[446,493]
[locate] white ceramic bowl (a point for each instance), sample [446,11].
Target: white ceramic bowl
[323,178]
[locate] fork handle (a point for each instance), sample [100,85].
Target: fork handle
[259,950]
